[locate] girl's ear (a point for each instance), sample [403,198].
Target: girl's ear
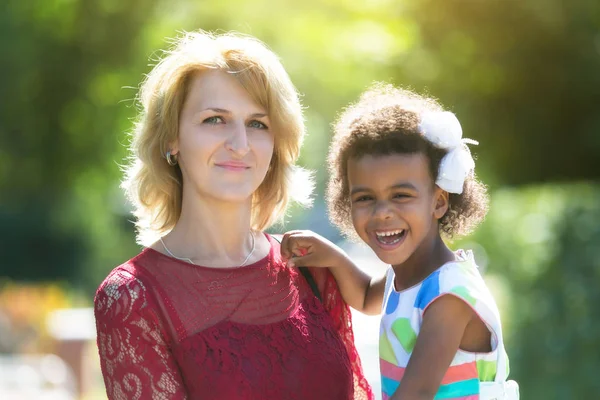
[442,202]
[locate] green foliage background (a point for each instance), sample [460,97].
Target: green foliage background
[522,76]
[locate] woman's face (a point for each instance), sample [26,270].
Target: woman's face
[225,143]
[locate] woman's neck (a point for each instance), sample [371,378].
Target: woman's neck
[214,233]
[429,256]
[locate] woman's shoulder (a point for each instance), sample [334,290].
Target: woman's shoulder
[125,285]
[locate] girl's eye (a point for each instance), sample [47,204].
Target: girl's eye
[363,198]
[257,125]
[213,120]
[401,196]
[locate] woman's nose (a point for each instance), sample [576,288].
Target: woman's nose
[237,142]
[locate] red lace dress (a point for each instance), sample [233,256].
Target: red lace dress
[172,330]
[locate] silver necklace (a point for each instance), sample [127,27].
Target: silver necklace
[191,262]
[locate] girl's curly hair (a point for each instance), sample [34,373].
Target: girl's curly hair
[385,121]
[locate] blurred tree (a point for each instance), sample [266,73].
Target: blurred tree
[62,70]
[521,75]
[544,243]
[523,78]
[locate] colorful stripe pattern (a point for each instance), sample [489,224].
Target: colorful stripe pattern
[402,318]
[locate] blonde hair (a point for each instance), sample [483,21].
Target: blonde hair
[154,187]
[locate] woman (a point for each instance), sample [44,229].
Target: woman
[208,309]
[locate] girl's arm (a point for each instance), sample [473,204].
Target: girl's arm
[361,291]
[444,324]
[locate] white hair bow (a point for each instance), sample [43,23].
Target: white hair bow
[443,130]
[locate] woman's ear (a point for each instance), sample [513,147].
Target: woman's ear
[442,202]
[174,147]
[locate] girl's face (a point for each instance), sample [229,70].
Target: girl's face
[395,203]
[225,143]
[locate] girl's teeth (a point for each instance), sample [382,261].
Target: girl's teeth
[391,237]
[390,233]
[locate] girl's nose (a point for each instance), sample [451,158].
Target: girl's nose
[382,210]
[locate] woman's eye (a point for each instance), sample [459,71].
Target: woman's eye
[213,120]
[401,196]
[257,125]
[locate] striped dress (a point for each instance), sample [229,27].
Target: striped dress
[402,316]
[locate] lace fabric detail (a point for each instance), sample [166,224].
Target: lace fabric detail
[341,315]
[135,359]
[301,357]
[171,330]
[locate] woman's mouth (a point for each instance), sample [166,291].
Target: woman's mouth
[233,166]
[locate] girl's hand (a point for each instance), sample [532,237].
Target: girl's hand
[307,248]
[359,290]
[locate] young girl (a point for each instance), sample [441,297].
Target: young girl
[401,178]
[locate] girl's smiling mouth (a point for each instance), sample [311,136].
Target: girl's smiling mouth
[389,239]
